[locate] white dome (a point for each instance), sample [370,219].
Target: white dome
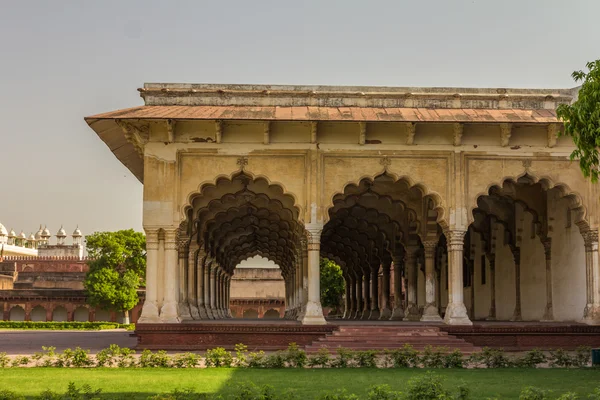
[22,235]
[3,231]
[61,232]
[31,237]
[46,232]
[12,234]
[38,234]
[77,232]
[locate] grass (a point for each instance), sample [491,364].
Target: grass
[308,383]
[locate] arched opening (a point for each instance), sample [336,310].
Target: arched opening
[17,313]
[383,233]
[526,249]
[81,314]
[271,314]
[102,315]
[38,314]
[227,223]
[60,314]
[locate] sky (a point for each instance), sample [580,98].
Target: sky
[63,60]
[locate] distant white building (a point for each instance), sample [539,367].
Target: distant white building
[38,244]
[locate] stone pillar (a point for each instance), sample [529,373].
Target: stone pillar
[456,312]
[386,312]
[492,260]
[347,296]
[398,311]
[210,305]
[549,313]
[517,256]
[169,312]
[374,314]
[430,312]
[359,296]
[150,308]
[412,310]
[183,250]
[591,313]
[314,311]
[192,280]
[228,296]
[218,292]
[366,288]
[304,276]
[202,288]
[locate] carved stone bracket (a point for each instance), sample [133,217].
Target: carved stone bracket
[218,131]
[313,131]
[411,130]
[266,132]
[362,135]
[242,162]
[171,130]
[505,133]
[553,134]
[138,136]
[458,133]
[386,162]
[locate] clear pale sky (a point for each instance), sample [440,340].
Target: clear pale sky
[63,60]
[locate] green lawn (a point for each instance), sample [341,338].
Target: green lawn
[308,383]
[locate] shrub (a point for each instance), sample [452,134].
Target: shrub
[160,359]
[295,357]
[365,359]
[73,325]
[532,359]
[426,387]
[405,357]
[186,360]
[218,357]
[340,394]
[382,392]
[9,395]
[493,358]
[250,391]
[185,394]
[4,360]
[240,355]
[275,360]
[344,358]
[595,395]
[108,357]
[83,393]
[582,357]
[453,359]
[431,358]
[321,359]
[256,359]
[560,358]
[20,361]
[125,358]
[533,393]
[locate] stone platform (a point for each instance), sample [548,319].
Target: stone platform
[277,334]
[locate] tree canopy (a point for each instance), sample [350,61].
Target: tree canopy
[117,269]
[582,120]
[332,284]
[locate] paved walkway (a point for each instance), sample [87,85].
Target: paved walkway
[28,342]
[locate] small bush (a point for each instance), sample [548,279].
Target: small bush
[344,358]
[560,358]
[295,357]
[20,361]
[582,357]
[365,359]
[426,387]
[382,392]
[431,358]
[322,359]
[108,357]
[533,393]
[275,360]
[240,355]
[218,357]
[493,358]
[256,359]
[125,358]
[532,359]
[454,359]
[73,325]
[405,357]
[185,394]
[160,359]
[186,360]
[340,394]
[4,360]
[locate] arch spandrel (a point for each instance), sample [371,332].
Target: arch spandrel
[485,174]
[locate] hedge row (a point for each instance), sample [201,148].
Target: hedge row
[294,357]
[53,325]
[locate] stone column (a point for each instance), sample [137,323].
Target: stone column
[229,297]
[169,312]
[549,313]
[314,311]
[219,292]
[358,292]
[430,312]
[386,312]
[210,280]
[456,312]
[517,257]
[492,260]
[192,280]
[398,311]
[412,311]
[202,287]
[150,308]
[304,276]
[347,299]
[183,249]
[374,314]
[591,313]
[366,288]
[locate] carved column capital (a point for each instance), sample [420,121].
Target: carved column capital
[430,246]
[455,239]
[313,235]
[151,238]
[547,242]
[171,238]
[516,252]
[590,240]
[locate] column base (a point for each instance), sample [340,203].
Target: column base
[456,314]
[386,314]
[314,314]
[365,315]
[202,313]
[194,312]
[397,314]
[374,315]
[430,314]
[149,314]
[184,312]
[591,314]
[169,314]
[412,313]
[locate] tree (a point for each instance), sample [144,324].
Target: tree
[117,268]
[582,120]
[332,284]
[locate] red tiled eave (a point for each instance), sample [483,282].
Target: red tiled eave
[367,114]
